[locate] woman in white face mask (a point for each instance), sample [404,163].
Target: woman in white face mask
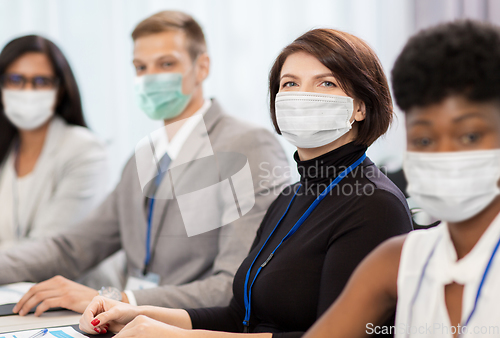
[330,98]
[52,168]
[445,280]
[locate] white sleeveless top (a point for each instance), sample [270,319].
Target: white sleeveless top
[423,313]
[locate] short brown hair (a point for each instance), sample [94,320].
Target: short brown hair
[174,20]
[358,70]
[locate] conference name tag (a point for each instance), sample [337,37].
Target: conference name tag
[149,281]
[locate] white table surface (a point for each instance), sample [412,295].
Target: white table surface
[28,322]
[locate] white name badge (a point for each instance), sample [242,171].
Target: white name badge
[151,280]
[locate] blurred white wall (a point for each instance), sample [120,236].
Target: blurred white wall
[431,12]
[243,39]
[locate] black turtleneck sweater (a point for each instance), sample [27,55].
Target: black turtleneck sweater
[310,269]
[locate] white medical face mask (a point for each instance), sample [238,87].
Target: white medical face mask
[311,120]
[453,186]
[28,109]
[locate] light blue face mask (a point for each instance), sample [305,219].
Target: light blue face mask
[160,95]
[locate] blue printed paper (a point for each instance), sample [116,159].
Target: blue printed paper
[60,334]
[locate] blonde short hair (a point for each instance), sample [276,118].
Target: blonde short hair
[174,20]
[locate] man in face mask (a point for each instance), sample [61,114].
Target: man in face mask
[181,252]
[171,64]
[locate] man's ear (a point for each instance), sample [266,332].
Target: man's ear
[203,67]
[360,113]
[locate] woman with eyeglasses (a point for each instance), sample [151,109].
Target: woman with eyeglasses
[52,168]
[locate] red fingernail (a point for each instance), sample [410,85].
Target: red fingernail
[103,331]
[96,329]
[95,322]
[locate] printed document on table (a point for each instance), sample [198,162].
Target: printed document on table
[12,293]
[58,332]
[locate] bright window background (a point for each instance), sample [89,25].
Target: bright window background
[243,39]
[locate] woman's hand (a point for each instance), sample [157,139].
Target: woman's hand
[104,314]
[143,326]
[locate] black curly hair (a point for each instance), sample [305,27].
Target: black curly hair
[457,58]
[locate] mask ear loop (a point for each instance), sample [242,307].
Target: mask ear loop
[349,122]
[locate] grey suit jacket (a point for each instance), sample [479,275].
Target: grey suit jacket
[69,182]
[195,271]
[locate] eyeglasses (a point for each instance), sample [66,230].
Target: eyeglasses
[17,81]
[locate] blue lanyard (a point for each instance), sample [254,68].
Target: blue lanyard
[248,291]
[478,294]
[150,225]
[148,233]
